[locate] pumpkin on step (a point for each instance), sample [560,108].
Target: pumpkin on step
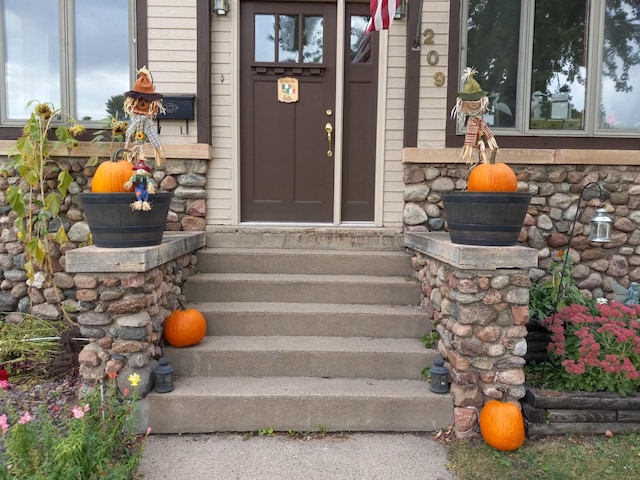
[184,328]
[111,175]
[492,176]
[502,424]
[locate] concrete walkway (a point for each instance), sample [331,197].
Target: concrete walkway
[352,456]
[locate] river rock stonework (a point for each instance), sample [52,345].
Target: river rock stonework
[185,178]
[599,268]
[125,301]
[478,297]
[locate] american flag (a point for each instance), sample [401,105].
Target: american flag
[382,12]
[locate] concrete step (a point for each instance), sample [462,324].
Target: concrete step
[301,404]
[308,328]
[362,289]
[308,319]
[325,238]
[292,260]
[284,356]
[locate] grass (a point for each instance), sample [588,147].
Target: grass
[550,458]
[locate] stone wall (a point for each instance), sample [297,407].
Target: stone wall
[123,301]
[479,299]
[597,268]
[185,178]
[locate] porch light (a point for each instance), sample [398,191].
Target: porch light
[600,227]
[220,7]
[439,377]
[401,11]
[164,376]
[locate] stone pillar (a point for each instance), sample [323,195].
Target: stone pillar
[479,297]
[127,294]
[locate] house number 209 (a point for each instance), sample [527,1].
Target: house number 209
[432,56]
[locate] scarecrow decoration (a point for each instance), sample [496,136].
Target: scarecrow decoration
[473,103]
[141,182]
[142,104]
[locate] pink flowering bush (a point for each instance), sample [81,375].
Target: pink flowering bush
[595,352]
[94,440]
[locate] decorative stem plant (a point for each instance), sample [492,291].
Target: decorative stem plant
[42,185]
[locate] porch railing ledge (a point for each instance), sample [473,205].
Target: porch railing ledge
[94,259]
[470,257]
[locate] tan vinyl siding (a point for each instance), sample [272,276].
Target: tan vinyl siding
[220,192]
[394,125]
[172,58]
[433,100]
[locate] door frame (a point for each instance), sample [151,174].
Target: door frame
[338,139]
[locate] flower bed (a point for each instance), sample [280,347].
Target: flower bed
[591,379]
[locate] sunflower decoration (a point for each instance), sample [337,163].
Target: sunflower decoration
[118,128]
[471,104]
[142,104]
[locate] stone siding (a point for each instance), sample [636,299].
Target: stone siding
[478,299]
[124,316]
[186,178]
[597,268]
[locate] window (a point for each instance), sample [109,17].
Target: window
[291,47]
[76,54]
[556,68]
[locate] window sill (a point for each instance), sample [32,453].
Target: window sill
[196,151]
[528,156]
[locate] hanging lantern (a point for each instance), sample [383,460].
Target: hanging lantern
[600,227]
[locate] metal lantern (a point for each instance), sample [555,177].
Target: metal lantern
[439,377]
[164,376]
[220,7]
[600,227]
[401,11]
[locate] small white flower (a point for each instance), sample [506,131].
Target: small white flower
[602,301]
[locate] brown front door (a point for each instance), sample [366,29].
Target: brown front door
[288,141]
[286,168]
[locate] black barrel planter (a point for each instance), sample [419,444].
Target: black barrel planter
[114,224]
[485,218]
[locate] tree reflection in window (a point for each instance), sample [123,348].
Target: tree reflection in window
[564,88]
[292,48]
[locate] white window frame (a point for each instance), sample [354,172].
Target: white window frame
[66,48]
[595,39]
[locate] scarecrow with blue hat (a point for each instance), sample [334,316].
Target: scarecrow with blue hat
[141,182]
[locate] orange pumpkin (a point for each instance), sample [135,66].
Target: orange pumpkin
[111,176]
[492,177]
[502,424]
[184,328]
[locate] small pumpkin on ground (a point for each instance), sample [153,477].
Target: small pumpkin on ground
[502,424]
[111,176]
[492,176]
[184,328]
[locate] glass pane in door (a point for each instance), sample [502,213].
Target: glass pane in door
[265,32]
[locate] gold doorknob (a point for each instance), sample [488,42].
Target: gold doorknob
[329,129]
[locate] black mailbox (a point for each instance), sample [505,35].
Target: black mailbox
[177,107]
